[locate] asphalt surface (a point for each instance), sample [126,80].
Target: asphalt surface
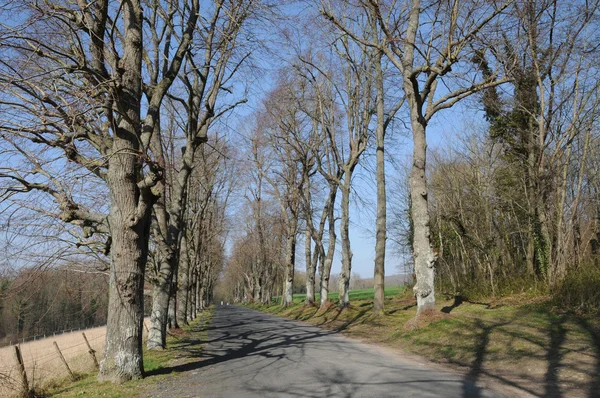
[252,354]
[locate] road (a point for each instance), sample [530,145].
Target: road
[252,354]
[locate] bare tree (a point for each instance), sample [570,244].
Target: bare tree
[355,92]
[280,165]
[323,111]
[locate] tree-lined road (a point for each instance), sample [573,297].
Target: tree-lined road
[252,354]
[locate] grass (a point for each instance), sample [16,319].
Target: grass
[520,341]
[156,366]
[359,294]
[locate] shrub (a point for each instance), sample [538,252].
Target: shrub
[579,291]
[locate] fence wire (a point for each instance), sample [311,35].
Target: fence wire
[43,364]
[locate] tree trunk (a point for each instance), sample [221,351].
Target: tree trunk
[290,261]
[192,296]
[424,257]
[257,288]
[317,237]
[172,322]
[380,223]
[129,218]
[310,267]
[184,282]
[196,294]
[345,240]
[326,270]
[122,360]
[201,288]
[157,335]
[168,231]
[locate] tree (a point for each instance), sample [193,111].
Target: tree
[290,138]
[323,111]
[354,92]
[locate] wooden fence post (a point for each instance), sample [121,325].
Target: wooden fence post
[62,358]
[19,359]
[91,351]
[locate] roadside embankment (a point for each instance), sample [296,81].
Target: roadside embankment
[516,341]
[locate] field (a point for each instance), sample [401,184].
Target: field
[43,364]
[359,294]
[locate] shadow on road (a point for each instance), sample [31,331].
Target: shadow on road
[240,342]
[243,344]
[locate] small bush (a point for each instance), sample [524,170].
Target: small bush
[477,289]
[579,291]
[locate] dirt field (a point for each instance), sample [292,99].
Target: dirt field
[42,362]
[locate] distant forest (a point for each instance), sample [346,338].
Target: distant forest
[38,303]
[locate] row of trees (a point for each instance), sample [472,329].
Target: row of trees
[106,112]
[366,65]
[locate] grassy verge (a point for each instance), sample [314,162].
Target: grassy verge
[518,341]
[183,347]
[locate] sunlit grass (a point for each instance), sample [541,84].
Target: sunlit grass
[358,294]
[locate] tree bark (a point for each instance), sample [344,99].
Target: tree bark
[326,270]
[184,283]
[290,261]
[172,314]
[191,311]
[129,218]
[310,266]
[424,257]
[345,240]
[157,335]
[318,256]
[380,223]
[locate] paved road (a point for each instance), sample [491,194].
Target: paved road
[252,354]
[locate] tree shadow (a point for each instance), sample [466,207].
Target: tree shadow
[405,308]
[550,351]
[594,333]
[288,341]
[482,342]
[247,344]
[351,321]
[458,300]
[557,335]
[543,338]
